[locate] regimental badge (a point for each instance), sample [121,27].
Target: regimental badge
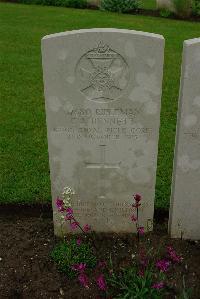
[102,73]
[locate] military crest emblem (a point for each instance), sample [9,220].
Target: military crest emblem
[102,73]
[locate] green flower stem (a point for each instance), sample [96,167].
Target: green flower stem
[93,242]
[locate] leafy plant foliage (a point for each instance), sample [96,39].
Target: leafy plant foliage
[68,253]
[196,7]
[64,3]
[128,284]
[183,7]
[119,5]
[165,13]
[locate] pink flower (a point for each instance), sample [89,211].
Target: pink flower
[101,282]
[143,258]
[87,228]
[163,265]
[133,218]
[59,204]
[69,211]
[69,215]
[141,273]
[140,230]
[144,262]
[78,241]
[137,197]
[84,280]
[158,285]
[74,225]
[102,264]
[79,267]
[173,255]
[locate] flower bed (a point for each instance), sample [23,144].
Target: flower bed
[27,270]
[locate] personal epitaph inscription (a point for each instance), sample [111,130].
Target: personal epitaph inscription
[185,202]
[102,93]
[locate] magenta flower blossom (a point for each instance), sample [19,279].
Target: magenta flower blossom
[79,267]
[133,218]
[84,280]
[78,241]
[102,264]
[59,204]
[69,211]
[143,258]
[101,282]
[144,262]
[74,225]
[173,255]
[140,230]
[158,285]
[163,265]
[68,217]
[137,197]
[87,228]
[141,273]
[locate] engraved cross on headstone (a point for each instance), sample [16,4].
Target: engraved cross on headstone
[102,166]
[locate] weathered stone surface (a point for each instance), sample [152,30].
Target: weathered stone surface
[185,202]
[103,91]
[183,10]
[94,2]
[166,4]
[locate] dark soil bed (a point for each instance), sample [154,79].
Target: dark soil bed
[26,270]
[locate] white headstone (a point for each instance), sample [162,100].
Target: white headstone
[183,10]
[165,4]
[94,2]
[103,91]
[185,201]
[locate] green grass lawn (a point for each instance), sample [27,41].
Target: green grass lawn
[24,158]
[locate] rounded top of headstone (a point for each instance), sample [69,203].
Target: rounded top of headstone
[104,30]
[192,41]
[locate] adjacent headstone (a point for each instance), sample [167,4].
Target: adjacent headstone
[94,2]
[166,4]
[182,9]
[103,92]
[185,203]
